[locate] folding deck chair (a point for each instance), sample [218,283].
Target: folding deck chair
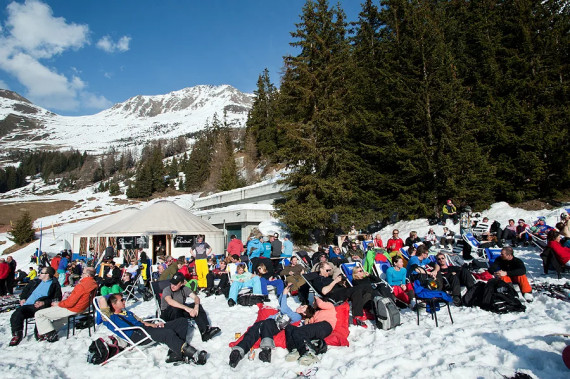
[120,332]
[157,288]
[347,268]
[480,228]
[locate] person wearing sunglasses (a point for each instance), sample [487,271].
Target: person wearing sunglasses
[394,244]
[455,277]
[38,294]
[337,290]
[172,333]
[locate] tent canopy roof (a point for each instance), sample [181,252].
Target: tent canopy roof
[97,228]
[162,217]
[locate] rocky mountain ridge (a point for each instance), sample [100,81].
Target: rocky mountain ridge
[24,125]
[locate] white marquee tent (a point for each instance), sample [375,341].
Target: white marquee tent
[161,221]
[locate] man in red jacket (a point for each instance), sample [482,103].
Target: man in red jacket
[76,302]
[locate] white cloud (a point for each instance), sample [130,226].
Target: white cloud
[3,85]
[107,44]
[30,34]
[35,31]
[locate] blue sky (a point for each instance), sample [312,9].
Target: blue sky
[77,57]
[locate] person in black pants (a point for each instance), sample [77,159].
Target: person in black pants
[337,290]
[455,276]
[300,339]
[38,294]
[172,333]
[268,328]
[173,306]
[11,280]
[218,273]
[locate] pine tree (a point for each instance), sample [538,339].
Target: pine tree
[261,123]
[326,168]
[23,230]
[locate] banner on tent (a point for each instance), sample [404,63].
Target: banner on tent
[133,242]
[184,240]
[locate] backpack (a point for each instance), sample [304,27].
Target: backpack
[102,349]
[501,297]
[250,299]
[387,313]
[474,295]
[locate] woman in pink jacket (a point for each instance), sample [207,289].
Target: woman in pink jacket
[318,328]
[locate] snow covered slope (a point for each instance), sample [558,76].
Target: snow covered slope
[141,118]
[478,344]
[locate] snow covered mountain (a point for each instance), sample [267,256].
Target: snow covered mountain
[24,125]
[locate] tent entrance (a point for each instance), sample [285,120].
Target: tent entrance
[160,246]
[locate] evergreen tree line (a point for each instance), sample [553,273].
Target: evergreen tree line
[413,103]
[209,167]
[46,163]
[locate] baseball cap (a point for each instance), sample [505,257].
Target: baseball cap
[177,278]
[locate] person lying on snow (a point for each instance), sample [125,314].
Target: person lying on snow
[268,328]
[173,306]
[299,339]
[172,333]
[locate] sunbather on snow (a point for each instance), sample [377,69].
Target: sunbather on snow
[268,328]
[172,333]
[511,269]
[174,305]
[317,328]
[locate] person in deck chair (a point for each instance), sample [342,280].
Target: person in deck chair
[562,253]
[172,333]
[511,269]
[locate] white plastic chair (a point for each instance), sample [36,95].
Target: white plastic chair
[120,332]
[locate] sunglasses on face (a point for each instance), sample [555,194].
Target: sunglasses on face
[440,259]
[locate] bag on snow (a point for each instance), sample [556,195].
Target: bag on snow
[501,297]
[102,349]
[387,313]
[249,299]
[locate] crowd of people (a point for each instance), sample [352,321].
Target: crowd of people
[260,264]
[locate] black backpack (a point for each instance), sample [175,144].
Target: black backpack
[250,299]
[474,296]
[102,349]
[501,297]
